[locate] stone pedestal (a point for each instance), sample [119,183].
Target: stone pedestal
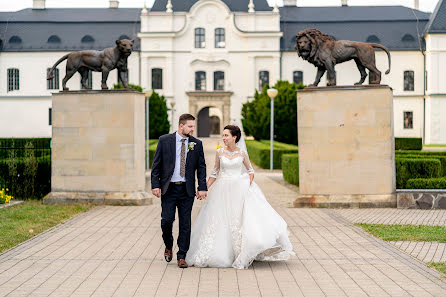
[346,147]
[98,148]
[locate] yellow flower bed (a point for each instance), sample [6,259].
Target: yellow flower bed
[5,198]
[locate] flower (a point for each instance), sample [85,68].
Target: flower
[191,146]
[218,146]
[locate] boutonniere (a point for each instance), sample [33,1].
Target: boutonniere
[191,146]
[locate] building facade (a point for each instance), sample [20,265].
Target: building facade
[207,57]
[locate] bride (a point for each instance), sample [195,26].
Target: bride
[236,224]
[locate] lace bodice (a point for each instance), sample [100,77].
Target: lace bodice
[231,163]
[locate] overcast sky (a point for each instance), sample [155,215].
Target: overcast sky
[8,5]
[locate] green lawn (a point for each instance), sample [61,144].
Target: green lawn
[434,145]
[16,222]
[406,232]
[440,266]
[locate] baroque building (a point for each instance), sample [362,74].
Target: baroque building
[207,57]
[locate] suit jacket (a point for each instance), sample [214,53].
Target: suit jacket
[164,164]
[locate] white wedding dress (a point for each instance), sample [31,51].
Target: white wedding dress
[236,225]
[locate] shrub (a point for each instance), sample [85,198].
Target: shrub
[426,183]
[134,87]
[408,143]
[259,153]
[415,168]
[290,168]
[442,160]
[153,143]
[256,114]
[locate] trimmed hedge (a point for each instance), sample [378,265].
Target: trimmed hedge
[21,153]
[153,143]
[408,143]
[290,168]
[442,160]
[20,143]
[26,178]
[426,183]
[259,153]
[415,168]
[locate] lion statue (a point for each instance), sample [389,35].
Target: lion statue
[99,61]
[324,52]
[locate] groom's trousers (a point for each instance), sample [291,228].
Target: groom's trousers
[176,197]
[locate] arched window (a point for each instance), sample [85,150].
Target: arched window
[408,38]
[298,77]
[409,80]
[157,78]
[53,84]
[15,39]
[54,39]
[220,39]
[200,38]
[13,79]
[123,37]
[219,81]
[89,80]
[87,39]
[200,81]
[263,79]
[373,39]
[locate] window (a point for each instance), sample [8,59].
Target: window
[87,39]
[408,120]
[263,79]
[13,79]
[200,38]
[373,39]
[408,80]
[89,82]
[126,75]
[53,84]
[54,39]
[157,78]
[50,119]
[200,81]
[15,39]
[123,37]
[298,77]
[408,38]
[219,81]
[220,38]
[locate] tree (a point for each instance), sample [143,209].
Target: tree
[256,114]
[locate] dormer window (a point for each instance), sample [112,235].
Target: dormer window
[15,39]
[373,39]
[54,39]
[408,38]
[87,39]
[123,37]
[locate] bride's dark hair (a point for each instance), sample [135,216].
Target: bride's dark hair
[235,131]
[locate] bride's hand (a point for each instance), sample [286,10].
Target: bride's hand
[251,179]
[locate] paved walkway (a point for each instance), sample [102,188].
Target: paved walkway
[117,251]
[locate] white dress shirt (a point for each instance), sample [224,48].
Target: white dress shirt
[176,172]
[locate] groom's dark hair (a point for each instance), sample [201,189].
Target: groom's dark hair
[185,117]
[235,131]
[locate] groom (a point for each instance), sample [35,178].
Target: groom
[177,157]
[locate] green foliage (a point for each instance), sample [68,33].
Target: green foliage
[20,143]
[290,168]
[427,183]
[134,87]
[159,121]
[259,153]
[439,266]
[153,143]
[415,168]
[256,114]
[406,232]
[441,158]
[408,143]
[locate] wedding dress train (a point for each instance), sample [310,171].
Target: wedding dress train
[237,225]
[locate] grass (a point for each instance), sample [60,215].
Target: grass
[440,266]
[406,232]
[21,222]
[434,145]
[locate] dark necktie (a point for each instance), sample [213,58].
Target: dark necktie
[183,158]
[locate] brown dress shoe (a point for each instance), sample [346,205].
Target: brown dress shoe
[182,263]
[168,255]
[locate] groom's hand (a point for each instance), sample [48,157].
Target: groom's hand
[202,195]
[156,192]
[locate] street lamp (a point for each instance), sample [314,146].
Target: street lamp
[272,93]
[148,94]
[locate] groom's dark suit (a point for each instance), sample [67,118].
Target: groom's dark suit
[179,196]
